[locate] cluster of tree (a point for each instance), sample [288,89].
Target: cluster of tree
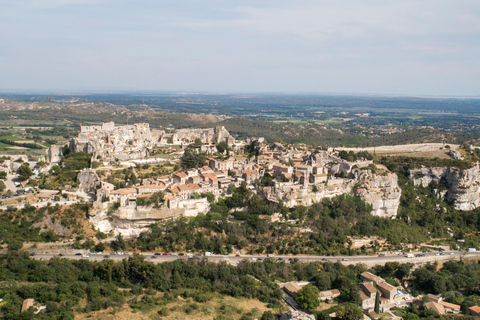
[352,156]
[155,199]
[122,178]
[193,157]
[21,144]
[66,172]
[60,284]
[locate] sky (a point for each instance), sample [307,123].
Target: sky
[408,47]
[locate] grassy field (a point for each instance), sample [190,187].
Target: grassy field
[14,138]
[217,308]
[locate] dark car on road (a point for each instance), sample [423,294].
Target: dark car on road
[181,254]
[78,254]
[106,257]
[33,254]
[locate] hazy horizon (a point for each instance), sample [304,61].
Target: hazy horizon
[411,48]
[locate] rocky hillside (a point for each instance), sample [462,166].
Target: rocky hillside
[459,186]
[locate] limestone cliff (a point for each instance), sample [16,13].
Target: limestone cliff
[136,219]
[88,179]
[381,191]
[463,185]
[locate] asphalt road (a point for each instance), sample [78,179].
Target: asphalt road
[368,260]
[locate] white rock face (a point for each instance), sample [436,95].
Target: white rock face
[133,141]
[133,220]
[88,179]
[381,191]
[296,315]
[463,185]
[122,143]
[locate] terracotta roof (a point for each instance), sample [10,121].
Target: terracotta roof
[292,287]
[180,175]
[363,296]
[435,307]
[475,309]
[369,287]
[386,286]
[329,293]
[27,303]
[372,277]
[450,305]
[124,191]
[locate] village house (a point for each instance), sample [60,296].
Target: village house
[367,294]
[450,307]
[184,191]
[124,196]
[152,188]
[221,164]
[280,170]
[435,306]
[387,290]
[180,177]
[329,294]
[292,289]
[474,311]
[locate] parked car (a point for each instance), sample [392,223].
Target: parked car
[189,255]
[181,254]
[164,254]
[158,254]
[173,254]
[78,254]
[344,259]
[33,254]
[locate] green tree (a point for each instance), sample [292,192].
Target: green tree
[2,186]
[193,159]
[24,171]
[3,174]
[15,245]
[268,315]
[118,244]
[349,311]
[377,303]
[222,146]
[307,297]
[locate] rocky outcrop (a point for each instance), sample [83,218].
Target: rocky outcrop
[296,315]
[455,154]
[381,191]
[110,143]
[188,136]
[463,185]
[133,220]
[89,180]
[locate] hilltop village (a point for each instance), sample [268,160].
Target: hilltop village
[298,177]
[291,175]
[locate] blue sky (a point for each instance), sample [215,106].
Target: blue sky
[410,47]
